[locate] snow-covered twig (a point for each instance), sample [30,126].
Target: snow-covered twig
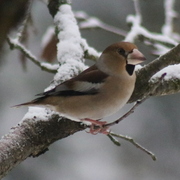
[15,44]
[70,53]
[170,14]
[71,47]
[135,21]
[138,11]
[143,83]
[93,22]
[159,41]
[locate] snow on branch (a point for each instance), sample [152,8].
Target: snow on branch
[171,82]
[172,72]
[71,46]
[170,14]
[70,52]
[161,42]
[148,76]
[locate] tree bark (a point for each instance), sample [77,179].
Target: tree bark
[143,87]
[31,138]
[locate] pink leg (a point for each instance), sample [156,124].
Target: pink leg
[97,126]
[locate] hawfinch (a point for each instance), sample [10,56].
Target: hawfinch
[99,91]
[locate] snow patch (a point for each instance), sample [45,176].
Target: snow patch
[50,66]
[39,113]
[172,72]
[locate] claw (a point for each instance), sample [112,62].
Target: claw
[97,127]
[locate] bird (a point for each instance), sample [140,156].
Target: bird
[97,92]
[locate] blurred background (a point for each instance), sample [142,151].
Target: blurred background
[154,124]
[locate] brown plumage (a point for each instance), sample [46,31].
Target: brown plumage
[100,90]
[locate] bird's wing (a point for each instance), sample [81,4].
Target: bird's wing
[87,82]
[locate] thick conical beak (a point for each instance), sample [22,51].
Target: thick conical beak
[135,57]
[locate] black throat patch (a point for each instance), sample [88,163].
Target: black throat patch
[130,69]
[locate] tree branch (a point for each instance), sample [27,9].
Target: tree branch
[143,86]
[14,44]
[32,138]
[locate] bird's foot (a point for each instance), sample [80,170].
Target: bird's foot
[97,127]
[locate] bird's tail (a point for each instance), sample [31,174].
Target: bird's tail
[23,104]
[34,102]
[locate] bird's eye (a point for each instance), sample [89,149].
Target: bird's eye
[122,52]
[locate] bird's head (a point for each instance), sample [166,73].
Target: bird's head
[119,57]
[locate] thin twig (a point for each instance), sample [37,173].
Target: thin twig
[137,103]
[170,15]
[14,44]
[112,135]
[113,139]
[138,10]
[89,22]
[131,140]
[131,110]
[105,27]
